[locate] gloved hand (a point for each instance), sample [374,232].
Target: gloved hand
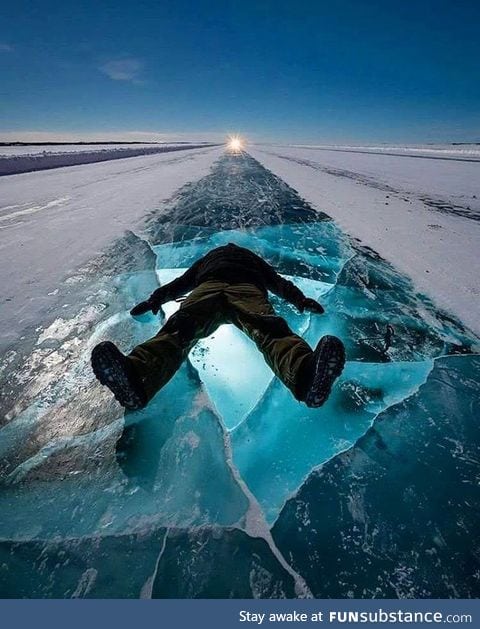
[144,307]
[313,306]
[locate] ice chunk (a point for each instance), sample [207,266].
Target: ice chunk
[396,516]
[165,465]
[209,562]
[219,563]
[281,441]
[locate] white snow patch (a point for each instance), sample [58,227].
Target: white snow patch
[62,218]
[436,249]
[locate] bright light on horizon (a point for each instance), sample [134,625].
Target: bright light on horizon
[235,144]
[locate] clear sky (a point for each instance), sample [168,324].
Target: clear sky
[295,70]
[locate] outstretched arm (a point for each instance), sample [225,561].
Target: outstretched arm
[168,292]
[291,293]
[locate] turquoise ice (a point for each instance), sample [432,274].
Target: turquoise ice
[264,419]
[196,483]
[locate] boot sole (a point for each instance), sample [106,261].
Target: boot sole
[110,369]
[330,361]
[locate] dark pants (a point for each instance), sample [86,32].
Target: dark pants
[203,311]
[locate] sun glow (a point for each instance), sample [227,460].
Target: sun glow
[235,144]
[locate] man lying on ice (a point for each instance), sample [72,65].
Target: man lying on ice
[229,285]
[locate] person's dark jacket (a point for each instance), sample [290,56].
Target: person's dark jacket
[235,265]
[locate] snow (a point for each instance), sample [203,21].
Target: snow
[467,151]
[422,215]
[53,222]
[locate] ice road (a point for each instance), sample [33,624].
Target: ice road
[225,486]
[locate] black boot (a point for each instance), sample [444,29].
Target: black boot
[111,368]
[327,364]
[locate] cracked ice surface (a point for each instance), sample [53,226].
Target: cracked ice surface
[276,441]
[86,487]
[236,391]
[396,516]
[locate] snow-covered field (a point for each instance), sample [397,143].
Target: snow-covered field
[54,221]
[422,215]
[467,152]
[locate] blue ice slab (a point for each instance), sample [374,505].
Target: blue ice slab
[203,562]
[313,250]
[165,466]
[277,446]
[47,399]
[73,464]
[396,516]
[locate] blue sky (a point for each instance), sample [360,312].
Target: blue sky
[316,71]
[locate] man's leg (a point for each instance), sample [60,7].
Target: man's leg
[155,361]
[308,374]
[136,378]
[286,353]
[158,359]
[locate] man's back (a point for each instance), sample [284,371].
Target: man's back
[231,263]
[234,265]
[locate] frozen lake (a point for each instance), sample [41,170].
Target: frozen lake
[224,474]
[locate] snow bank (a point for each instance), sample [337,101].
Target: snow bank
[41,149]
[463,152]
[15,160]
